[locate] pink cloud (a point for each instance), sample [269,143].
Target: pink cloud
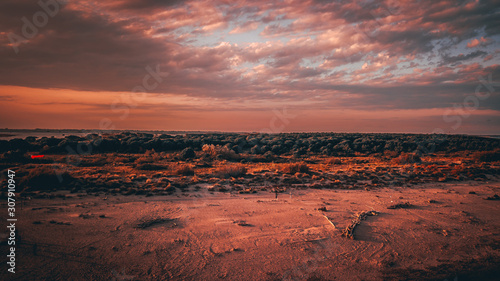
[249,26]
[476,42]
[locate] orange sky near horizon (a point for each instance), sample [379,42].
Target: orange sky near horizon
[68,109]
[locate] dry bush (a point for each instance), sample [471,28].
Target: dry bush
[93,161]
[187,153]
[184,170]
[142,159]
[293,168]
[155,156]
[149,156]
[457,170]
[407,158]
[45,177]
[210,149]
[391,154]
[217,151]
[237,170]
[334,161]
[487,156]
[13,156]
[122,159]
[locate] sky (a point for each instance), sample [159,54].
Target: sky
[258,66]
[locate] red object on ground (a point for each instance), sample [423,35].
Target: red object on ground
[36,156]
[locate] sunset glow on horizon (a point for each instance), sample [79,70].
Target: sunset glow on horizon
[256,66]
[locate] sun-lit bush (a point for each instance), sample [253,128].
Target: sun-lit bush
[46,177]
[235,170]
[334,161]
[184,170]
[293,168]
[217,151]
[407,158]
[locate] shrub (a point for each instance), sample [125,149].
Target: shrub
[269,155]
[210,149]
[487,156]
[258,159]
[255,149]
[217,151]
[334,161]
[142,159]
[150,156]
[93,161]
[293,168]
[46,178]
[123,159]
[407,158]
[390,154]
[187,153]
[184,170]
[236,170]
[16,156]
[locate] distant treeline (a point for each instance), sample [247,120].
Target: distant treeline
[296,144]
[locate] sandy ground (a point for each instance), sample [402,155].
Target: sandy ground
[205,236]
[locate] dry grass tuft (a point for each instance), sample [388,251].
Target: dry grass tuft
[334,161]
[293,168]
[407,158]
[184,170]
[94,161]
[236,170]
[46,177]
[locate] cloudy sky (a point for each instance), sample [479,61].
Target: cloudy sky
[273,66]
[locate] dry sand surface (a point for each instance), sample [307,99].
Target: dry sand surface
[446,233]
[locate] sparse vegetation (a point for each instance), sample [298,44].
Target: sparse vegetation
[407,158]
[293,168]
[229,146]
[46,178]
[14,156]
[184,170]
[93,161]
[334,161]
[235,170]
[487,156]
[187,153]
[364,161]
